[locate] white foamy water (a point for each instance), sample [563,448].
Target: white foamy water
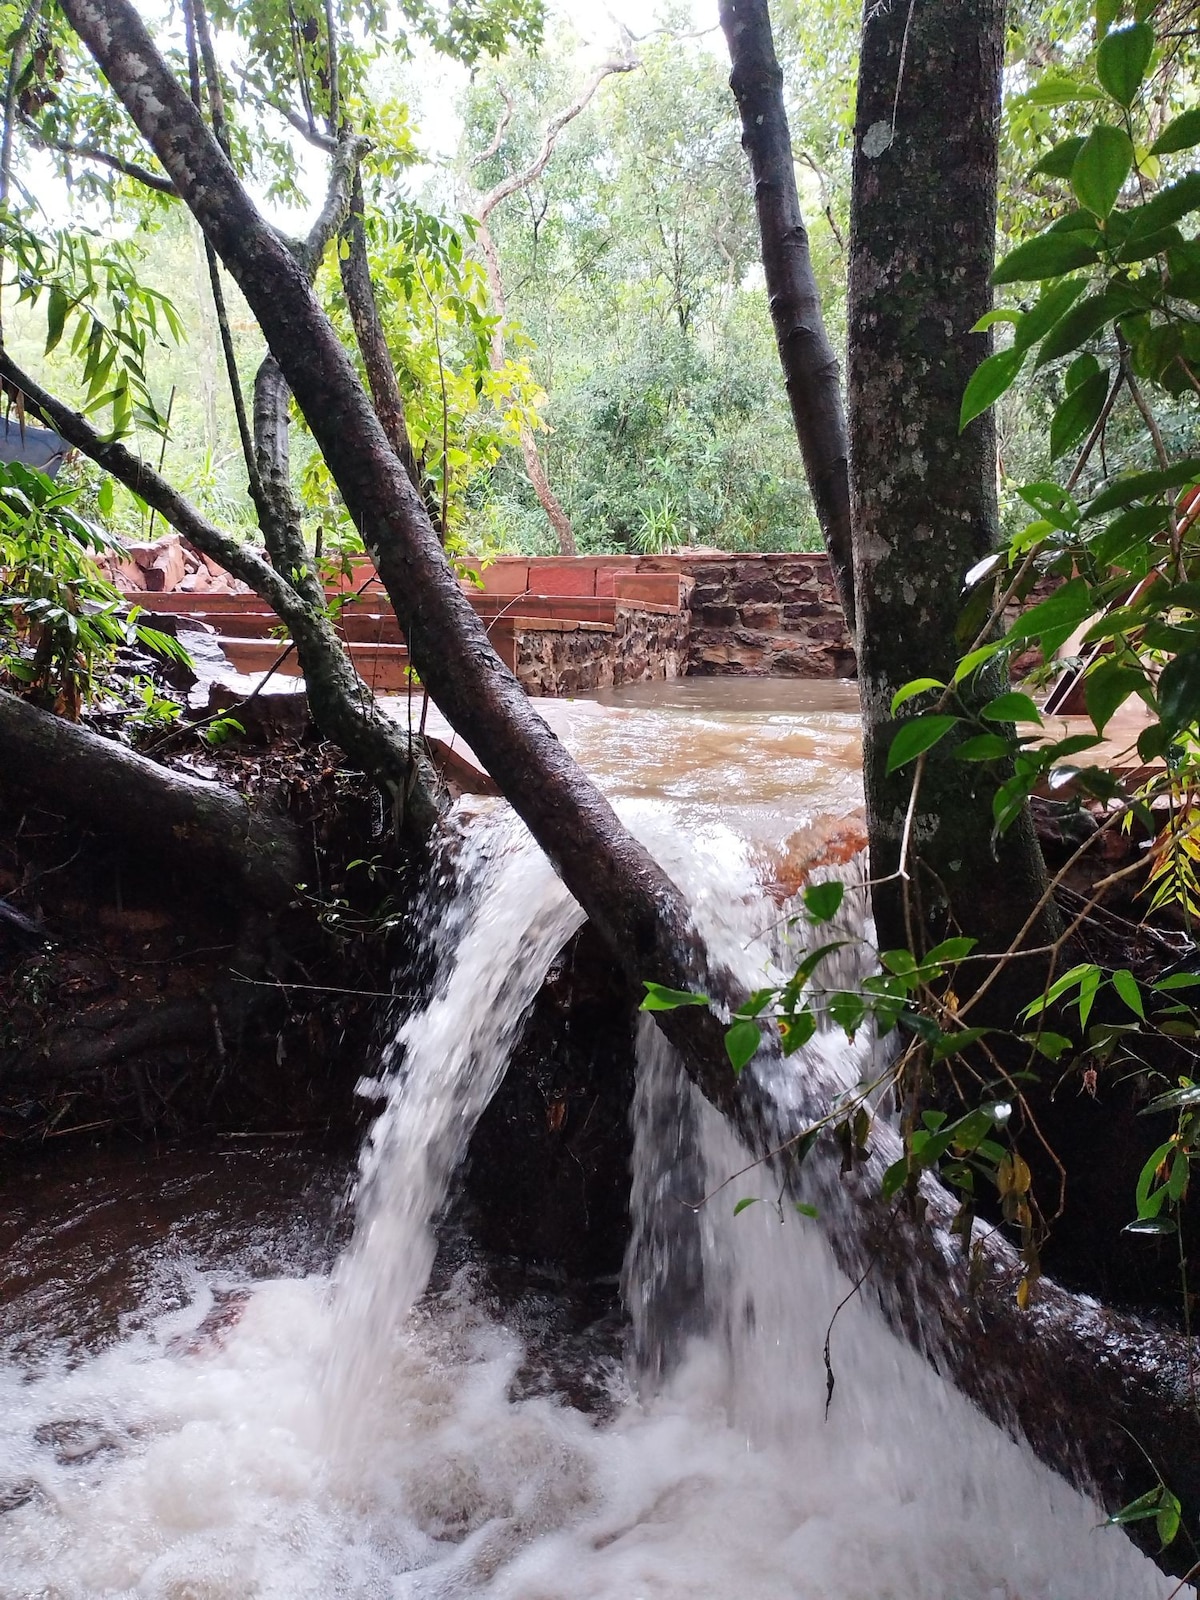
[349,1437]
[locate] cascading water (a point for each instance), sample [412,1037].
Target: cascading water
[351,1436]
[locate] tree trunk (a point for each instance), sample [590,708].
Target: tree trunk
[104,785]
[923,495]
[810,368]
[369,334]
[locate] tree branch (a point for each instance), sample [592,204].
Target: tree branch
[522,180]
[502,123]
[370,335]
[92,152]
[344,708]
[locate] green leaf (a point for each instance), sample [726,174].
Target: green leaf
[1106,13]
[1048,1044]
[984,747]
[1149,1200]
[1143,486]
[1159,1225]
[1057,90]
[822,901]
[805,1210]
[660,998]
[1179,692]
[1168,205]
[56,316]
[1126,985]
[976,659]
[1059,987]
[915,737]
[1180,134]
[988,382]
[1107,689]
[1100,169]
[1057,615]
[741,1042]
[847,1009]
[1011,707]
[1052,305]
[744,1205]
[1081,369]
[1057,163]
[957,949]
[952,1044]
[1045,257]
[1078,414]
[913,688]
[1081,322]
[1122,59]
[1179,980]
[795,1032]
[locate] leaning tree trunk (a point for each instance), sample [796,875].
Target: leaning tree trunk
[923,495]
[810,368]
[1086,1386]
[111,788]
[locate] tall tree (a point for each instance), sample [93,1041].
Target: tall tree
[923,495]
[810,367]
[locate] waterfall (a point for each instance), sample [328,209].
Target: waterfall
[359,1435]
[493,946]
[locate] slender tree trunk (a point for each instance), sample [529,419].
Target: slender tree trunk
[923,495]
[370,336]
[810,368]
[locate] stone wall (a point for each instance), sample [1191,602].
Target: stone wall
[763,616]
[770,615]
[564,658]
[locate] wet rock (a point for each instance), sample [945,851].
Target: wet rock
[548,1173]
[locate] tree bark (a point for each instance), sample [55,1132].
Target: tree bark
[370,336]
[923,495]
[810,368]
[104,785]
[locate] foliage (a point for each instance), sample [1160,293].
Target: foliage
[1106,296]
[61,620]
[631,263]
[433,298]
[94,298]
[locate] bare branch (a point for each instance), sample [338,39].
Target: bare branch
[522,180]
[502,123]
[306,129]
[92,152]
[142,480]
[343,706]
